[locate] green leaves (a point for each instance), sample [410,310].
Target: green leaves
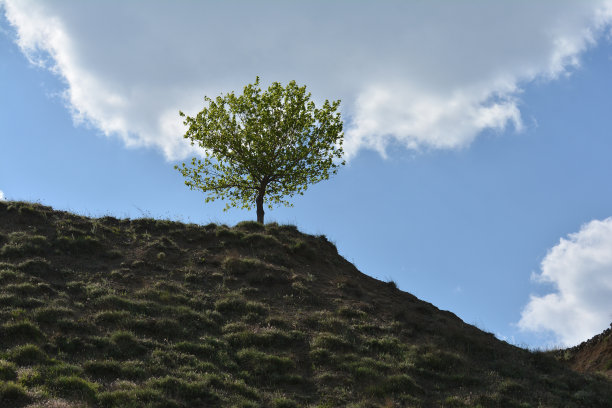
[272,143]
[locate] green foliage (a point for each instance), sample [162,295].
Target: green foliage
[8,371]
[126,345]
[395,384]
[440,361]
[194,393]
[21,244]
[51,314]
[276,339]
[12,395]
[73,387]
[21,331]
[135,398]
[250,226]
[27,354]
[111,369]
[262,365]
[331,342]
[78,245]
[236,305]
[284,403]
[241,266]
[37,267]
[270,144]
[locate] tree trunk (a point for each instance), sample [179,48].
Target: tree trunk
[260,207]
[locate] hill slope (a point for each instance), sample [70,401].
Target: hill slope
[593,355]
[149,313]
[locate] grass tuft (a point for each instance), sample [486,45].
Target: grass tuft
[27,354]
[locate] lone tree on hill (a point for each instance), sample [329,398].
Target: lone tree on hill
[263,145]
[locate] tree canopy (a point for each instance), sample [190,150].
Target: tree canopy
[263,146]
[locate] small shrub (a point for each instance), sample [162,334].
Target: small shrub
[438,361]
[300,288]
[239,387]
[250,226]
[113,318]
[160,328]
[284,403]
[192,320]
[394,384]
[22,244]
[386,345]
[12,395]
[110,369]
[229,235]
[48,373]
[256,240]
[36,266]
[21,332]
[133,398]
[302,248]
[106,369]
[74,387]
[193,393]
[290,228]
[320,356]
[27,354]
[242,266]
[18,250]
[114,302]
[33,211]
[8,276]
[268,277]
[126,345]
[260,363]
[364,372]
[30,289]
[331,342]
[51,314]
[204,351]
[276,339]
[366,368]
[454,402]
[19,301]
[78,244]
[392,284]
[510,387]
[8,371]
[239,306]
[351,313]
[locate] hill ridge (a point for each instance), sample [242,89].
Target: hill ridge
[104,312]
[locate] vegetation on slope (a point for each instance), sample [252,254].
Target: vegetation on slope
[593,355]
[151,313]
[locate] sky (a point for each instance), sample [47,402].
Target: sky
[477,135]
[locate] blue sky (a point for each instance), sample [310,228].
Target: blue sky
[478,173]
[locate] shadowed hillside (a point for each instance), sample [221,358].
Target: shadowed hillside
[150,313]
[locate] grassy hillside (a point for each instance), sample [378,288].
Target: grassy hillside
[149,313]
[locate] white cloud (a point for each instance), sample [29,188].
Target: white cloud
[2,196]
[580,267]
[420,74]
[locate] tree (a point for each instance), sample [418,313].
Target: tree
[263,146]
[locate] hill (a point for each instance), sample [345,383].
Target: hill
[152,313]
[593,355]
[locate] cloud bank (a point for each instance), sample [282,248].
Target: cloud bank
[2,196]
[580,267]
[421,75]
